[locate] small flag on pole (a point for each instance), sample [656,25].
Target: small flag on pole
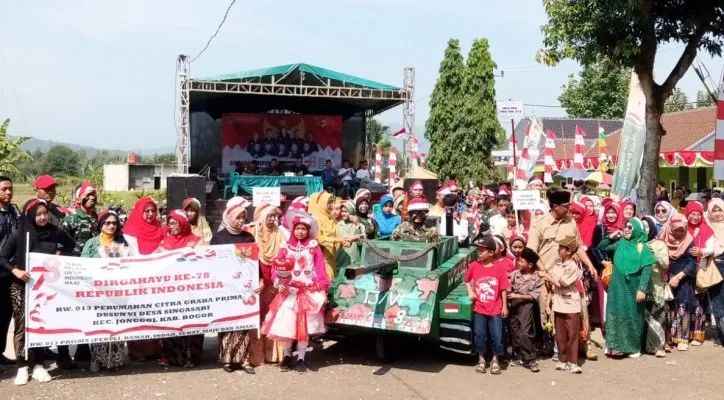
[399,133]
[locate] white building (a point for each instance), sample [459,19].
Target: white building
[124,177]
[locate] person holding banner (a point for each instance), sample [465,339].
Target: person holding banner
[143,234]
[108,244]
[35,235]
[182,351]
[234,346]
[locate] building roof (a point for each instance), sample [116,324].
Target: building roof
[565,128]
[299,73]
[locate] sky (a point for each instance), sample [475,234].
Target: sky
[102,73]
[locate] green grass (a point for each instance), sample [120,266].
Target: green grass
[25,192]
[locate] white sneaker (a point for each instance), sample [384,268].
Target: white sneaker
[634,355]
[563,367]
[660,354]
[575,368]
[41,375]
[22,377]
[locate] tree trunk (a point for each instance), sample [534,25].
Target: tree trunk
[649,175]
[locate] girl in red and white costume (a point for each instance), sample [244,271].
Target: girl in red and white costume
[297,311]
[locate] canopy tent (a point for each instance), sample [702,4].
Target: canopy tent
[417,172]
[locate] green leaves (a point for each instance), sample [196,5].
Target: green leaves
[600,91]
[463,126]
[678,101]
[10,153]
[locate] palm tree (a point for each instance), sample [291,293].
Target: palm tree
[10,153]
[377,135]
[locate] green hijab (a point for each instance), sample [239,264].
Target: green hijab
[633,254]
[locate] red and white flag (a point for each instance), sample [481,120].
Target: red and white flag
[512,147]
[393,164]
[422,159]
[399,133]
[579,148]
[378,166]
[719,141]
[548,162]
[521,178]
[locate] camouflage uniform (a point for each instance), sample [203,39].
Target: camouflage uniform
[406,232]
[81,228]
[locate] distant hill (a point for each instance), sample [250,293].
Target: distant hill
[45,145]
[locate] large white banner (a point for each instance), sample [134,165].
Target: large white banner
[176,293]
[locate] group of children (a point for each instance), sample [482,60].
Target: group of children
[504,289]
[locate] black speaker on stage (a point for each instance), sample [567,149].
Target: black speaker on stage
[179,188]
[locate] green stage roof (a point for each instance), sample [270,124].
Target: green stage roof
[292,76]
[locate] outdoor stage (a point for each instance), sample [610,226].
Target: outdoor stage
[296,112]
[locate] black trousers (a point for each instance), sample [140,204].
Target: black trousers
[6,311]
[522,329]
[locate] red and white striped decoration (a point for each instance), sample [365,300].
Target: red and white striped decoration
[521,177]
[579,148]
[512,146]
[719,141]
[378,166]
[548,162]
[422,159]
[393,164]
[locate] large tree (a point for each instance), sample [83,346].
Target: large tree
[10,153]
[600,91]
[481,131]
[704,99]
[446,112]
[628,33]
[62,160]
[678,101]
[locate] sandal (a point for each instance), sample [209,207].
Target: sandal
[248,368]
[495,368]
[480,368]
[227,368]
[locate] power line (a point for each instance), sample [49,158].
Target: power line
[217,31]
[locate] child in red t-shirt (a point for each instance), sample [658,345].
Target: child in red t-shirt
[487,284]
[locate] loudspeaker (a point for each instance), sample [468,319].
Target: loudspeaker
[178,188]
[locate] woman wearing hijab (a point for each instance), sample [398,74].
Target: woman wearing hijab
[629,209]
[585,221]
[663,211]
[199,226]
[143,231]
[625,307]
[703,248]
[349,226]
[182,351]
[144,234]
[658,293]
[108,244]
[362,208]
[611,221]
[320,207]
[234,346]
[270,239]
[38,235]
[682,280]
[716,292]
[386,220]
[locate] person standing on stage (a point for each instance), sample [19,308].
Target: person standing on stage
[9,221]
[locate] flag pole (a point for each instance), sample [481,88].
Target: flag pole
[515,170]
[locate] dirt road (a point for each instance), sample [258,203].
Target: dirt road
[348,370]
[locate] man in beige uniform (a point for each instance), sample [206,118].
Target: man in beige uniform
[544,236]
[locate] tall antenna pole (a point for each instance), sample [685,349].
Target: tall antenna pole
[183,146]
[408,115]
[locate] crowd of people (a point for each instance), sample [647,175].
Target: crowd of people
[543,278]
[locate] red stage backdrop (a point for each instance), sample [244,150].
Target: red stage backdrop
[314,139]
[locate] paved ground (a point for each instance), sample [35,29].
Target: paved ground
[348,370]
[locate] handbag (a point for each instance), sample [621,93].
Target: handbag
[607,273]
[708,276]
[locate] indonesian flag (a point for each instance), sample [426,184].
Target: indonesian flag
[399,133]
[378,166]
[579,148]
[603,157]
[521,177]
[512,145]
[393,164]
[719,142]
[548,162]
[422,159]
